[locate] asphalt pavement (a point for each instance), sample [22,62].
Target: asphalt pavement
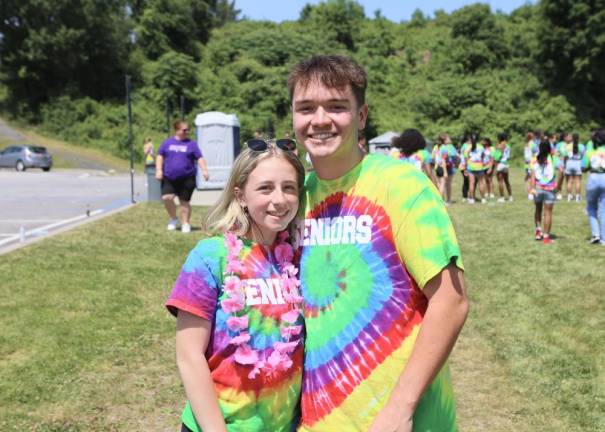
[35,203]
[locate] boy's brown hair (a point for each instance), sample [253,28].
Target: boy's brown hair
[333,71]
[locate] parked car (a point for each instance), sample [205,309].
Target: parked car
[23,156]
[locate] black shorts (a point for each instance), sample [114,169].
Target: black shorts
[439,171]
[183,188]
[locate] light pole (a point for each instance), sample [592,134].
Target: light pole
[128,103]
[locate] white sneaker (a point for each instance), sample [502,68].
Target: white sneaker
[470,200]
[186,228]
[172,224]
[559,197]
[578,198]
[510,198]
[492,196]
[530,197]
[464,200]
[501,200]
[483,201]
[569,197]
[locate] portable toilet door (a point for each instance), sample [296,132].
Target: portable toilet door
[218,139]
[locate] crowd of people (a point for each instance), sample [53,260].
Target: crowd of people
[554,164]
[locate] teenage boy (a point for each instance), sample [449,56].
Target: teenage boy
[381,274]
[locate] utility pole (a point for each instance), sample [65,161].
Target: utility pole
[129,104]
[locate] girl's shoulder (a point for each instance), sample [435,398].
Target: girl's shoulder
[212,248]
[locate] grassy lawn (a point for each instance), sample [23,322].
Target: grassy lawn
[87,345]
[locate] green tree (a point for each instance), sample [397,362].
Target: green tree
[180,25]
[477,38]
[340,18]
[173,75]
[572,50]
[51,48]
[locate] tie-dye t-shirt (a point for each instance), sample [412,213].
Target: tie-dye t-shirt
[529,151]
[370,240]
[589,145]
[419,158]
[502,156]
[546,175]
[269,401]
[441,154]
[594,160]
[474,160]
[569,153]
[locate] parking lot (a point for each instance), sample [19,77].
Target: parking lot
[35,203]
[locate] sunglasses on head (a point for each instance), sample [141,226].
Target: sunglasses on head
[260,145]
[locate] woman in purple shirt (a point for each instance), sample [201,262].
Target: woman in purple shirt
[176,167]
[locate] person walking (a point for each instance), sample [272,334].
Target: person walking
[176,167]
[545,168]
[594,163]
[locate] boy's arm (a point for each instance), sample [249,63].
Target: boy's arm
[445,315]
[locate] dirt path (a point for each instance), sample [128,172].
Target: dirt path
[71,158]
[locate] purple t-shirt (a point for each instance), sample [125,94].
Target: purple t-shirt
[180,158]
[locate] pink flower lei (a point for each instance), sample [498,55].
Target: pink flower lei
[235,301]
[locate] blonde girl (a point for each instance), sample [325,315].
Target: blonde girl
[239,338]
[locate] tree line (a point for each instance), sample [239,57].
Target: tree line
[63,62]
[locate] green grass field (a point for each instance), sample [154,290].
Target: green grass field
[87,345]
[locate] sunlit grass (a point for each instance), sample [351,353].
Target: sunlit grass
[87,345]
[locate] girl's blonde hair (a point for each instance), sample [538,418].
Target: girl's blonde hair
[227,214]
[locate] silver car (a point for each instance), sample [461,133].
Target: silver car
[21,157]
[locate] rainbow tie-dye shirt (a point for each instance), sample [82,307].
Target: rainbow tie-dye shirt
[268,402]
[370,241]
[417,159]
[474,160]
[594,160]
[546,175]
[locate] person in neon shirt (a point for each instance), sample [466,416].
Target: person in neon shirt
[574,154]
[501,163]
[473,163]
[488,163]
[412,149]
[557,149]
[239,338]
[530,150]
[594,163]
[380,270]
[443,155]
[544,170]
